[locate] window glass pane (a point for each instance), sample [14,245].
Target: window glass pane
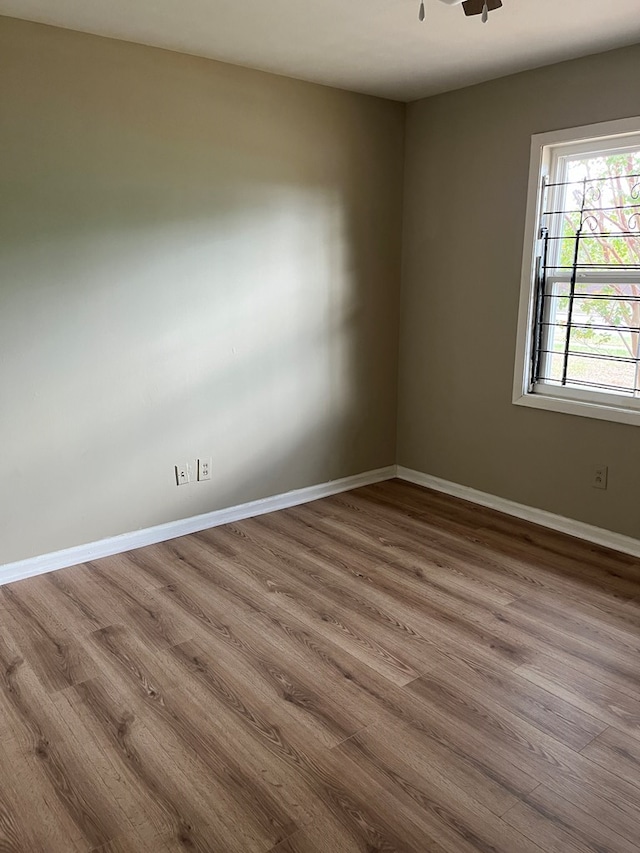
[552,371]
[594,240]
[557,333]
[600,327]
[602,373]
[608,187]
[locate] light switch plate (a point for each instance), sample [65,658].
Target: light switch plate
[182,474]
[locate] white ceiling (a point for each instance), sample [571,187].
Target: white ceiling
[372,46]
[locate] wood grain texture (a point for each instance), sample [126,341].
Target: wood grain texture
[389,669]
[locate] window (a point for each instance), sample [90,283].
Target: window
[579,332]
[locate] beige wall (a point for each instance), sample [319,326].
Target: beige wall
[195,259]
[467,161]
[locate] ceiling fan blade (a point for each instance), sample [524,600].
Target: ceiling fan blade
[475,7]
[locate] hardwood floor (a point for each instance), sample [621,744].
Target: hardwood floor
[384,670]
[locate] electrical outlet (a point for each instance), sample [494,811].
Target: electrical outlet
[600,477]
[204,468]
[182,475]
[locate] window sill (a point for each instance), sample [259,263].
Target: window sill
[616,414]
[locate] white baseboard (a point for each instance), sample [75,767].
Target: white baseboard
[162,532]
[597,535]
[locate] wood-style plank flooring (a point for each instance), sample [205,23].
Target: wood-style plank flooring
[384,670]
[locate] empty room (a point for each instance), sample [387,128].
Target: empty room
[320,426]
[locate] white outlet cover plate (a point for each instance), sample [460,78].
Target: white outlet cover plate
[204,468]
[601,477]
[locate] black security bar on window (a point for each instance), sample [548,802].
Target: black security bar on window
[592,180]
[588,267]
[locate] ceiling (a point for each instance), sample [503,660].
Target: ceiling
[372,46]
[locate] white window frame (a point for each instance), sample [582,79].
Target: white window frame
[571,401]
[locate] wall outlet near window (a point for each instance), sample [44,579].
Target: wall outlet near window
[182,474]
[204,468]
[600,477]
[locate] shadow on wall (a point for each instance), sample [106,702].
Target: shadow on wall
[170,288]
